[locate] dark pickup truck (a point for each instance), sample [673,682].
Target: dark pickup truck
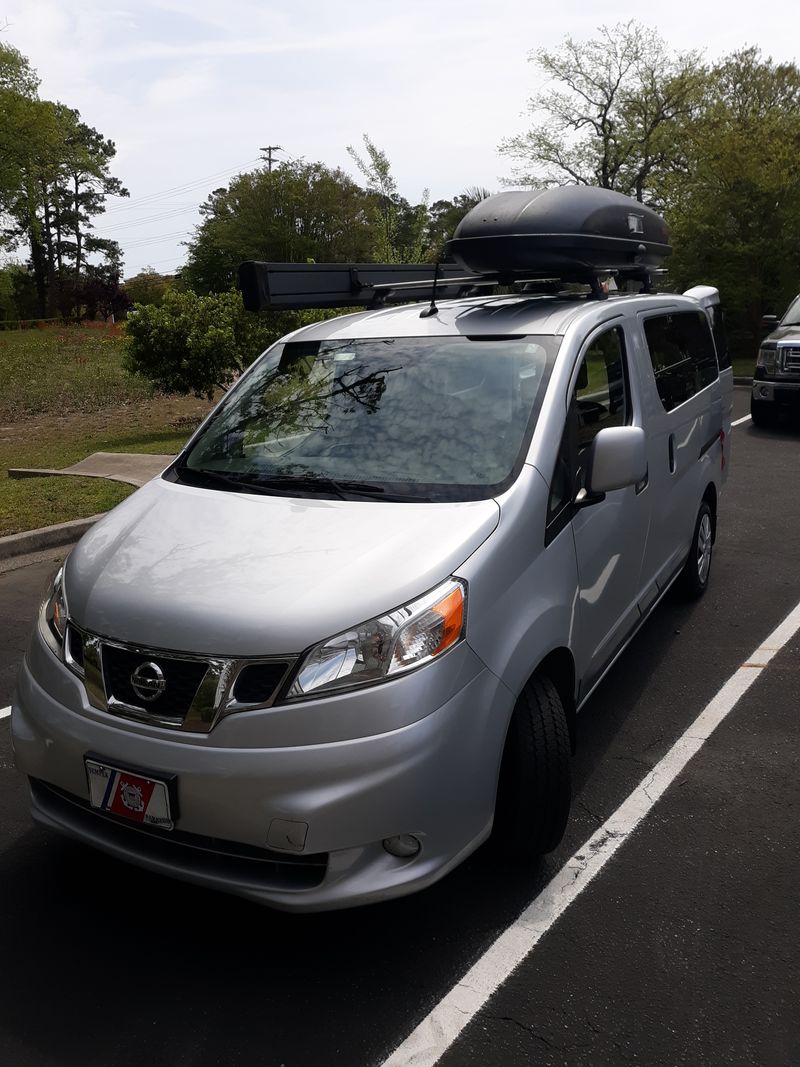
[776,383]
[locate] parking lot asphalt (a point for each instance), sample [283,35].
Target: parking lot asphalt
[683,949]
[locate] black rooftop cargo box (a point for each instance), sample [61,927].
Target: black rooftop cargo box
[573,232]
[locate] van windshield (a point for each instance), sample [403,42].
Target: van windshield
[433,418]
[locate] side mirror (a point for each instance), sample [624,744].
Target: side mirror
[769,320]
[617,458]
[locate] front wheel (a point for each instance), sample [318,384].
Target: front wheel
[534,790]
[697,569]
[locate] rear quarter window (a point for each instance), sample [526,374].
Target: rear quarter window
[682,354]
[721,338]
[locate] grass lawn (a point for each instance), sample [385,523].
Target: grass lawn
[64,394]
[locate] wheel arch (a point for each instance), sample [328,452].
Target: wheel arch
[710,498]
[559,666]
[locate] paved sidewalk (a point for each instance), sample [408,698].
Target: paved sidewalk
[131,467]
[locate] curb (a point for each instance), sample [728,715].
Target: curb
[63,533]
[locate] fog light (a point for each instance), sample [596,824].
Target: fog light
[404,846]
[764,390]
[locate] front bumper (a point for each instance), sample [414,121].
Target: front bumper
[783,393]
[434,777]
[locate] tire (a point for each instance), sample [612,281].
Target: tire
[693,580]
[763,413]
[534,788]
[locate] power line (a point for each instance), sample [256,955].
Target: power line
[186,187]
[150,218]
[156,240]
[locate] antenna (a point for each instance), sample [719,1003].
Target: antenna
[432,310]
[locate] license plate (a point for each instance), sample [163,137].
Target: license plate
[130,795]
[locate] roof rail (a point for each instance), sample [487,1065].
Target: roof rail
[343,285]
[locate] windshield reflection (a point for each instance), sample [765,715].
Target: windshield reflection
[410,418]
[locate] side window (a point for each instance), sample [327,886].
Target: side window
[682,354]
[601,394]
[601,399]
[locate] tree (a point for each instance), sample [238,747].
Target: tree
[400,227]
[445,215]
[197,344]
[54,180]
[734,206]
[100,292]
[614,115]
[148,287]
[294,213]
[18,86]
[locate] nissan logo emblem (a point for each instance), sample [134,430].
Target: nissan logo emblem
[148,681]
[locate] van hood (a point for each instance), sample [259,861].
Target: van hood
[233,574]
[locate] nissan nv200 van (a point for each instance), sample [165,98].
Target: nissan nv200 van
[344,637]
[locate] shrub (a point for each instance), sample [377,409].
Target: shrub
[197,344]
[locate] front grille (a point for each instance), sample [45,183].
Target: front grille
[75,646]
[175,690]
[791,360]
[257,683]
[181,677]
[192,854]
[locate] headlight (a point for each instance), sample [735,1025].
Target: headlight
[382,648]
[768,359]
[55,614]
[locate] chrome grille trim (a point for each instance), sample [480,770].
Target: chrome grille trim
[213,699]
[789,358]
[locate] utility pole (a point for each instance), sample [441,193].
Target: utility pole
[268,150]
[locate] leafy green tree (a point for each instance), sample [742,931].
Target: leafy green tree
[400,227]
[148,287]
[197,344]
[18,88]
[100,292]
[734,206]
[613,115]
[294,213]
[445,216]
[54,180]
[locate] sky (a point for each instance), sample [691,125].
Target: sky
[191,90]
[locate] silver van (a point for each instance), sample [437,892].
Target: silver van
[344,638]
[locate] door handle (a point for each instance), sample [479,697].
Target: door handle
[671,447]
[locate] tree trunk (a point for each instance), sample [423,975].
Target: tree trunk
[30,222]
[52,295]
[78,246]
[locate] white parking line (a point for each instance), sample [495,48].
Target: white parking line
[4,713]
[738,422]
[441,1027]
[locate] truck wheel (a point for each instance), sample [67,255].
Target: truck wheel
[693,579]
[534,789]
[763,413]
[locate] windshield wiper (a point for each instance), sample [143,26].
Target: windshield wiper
[312,483]
[290,484]
[236,483]
[279,484]
[344,489]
